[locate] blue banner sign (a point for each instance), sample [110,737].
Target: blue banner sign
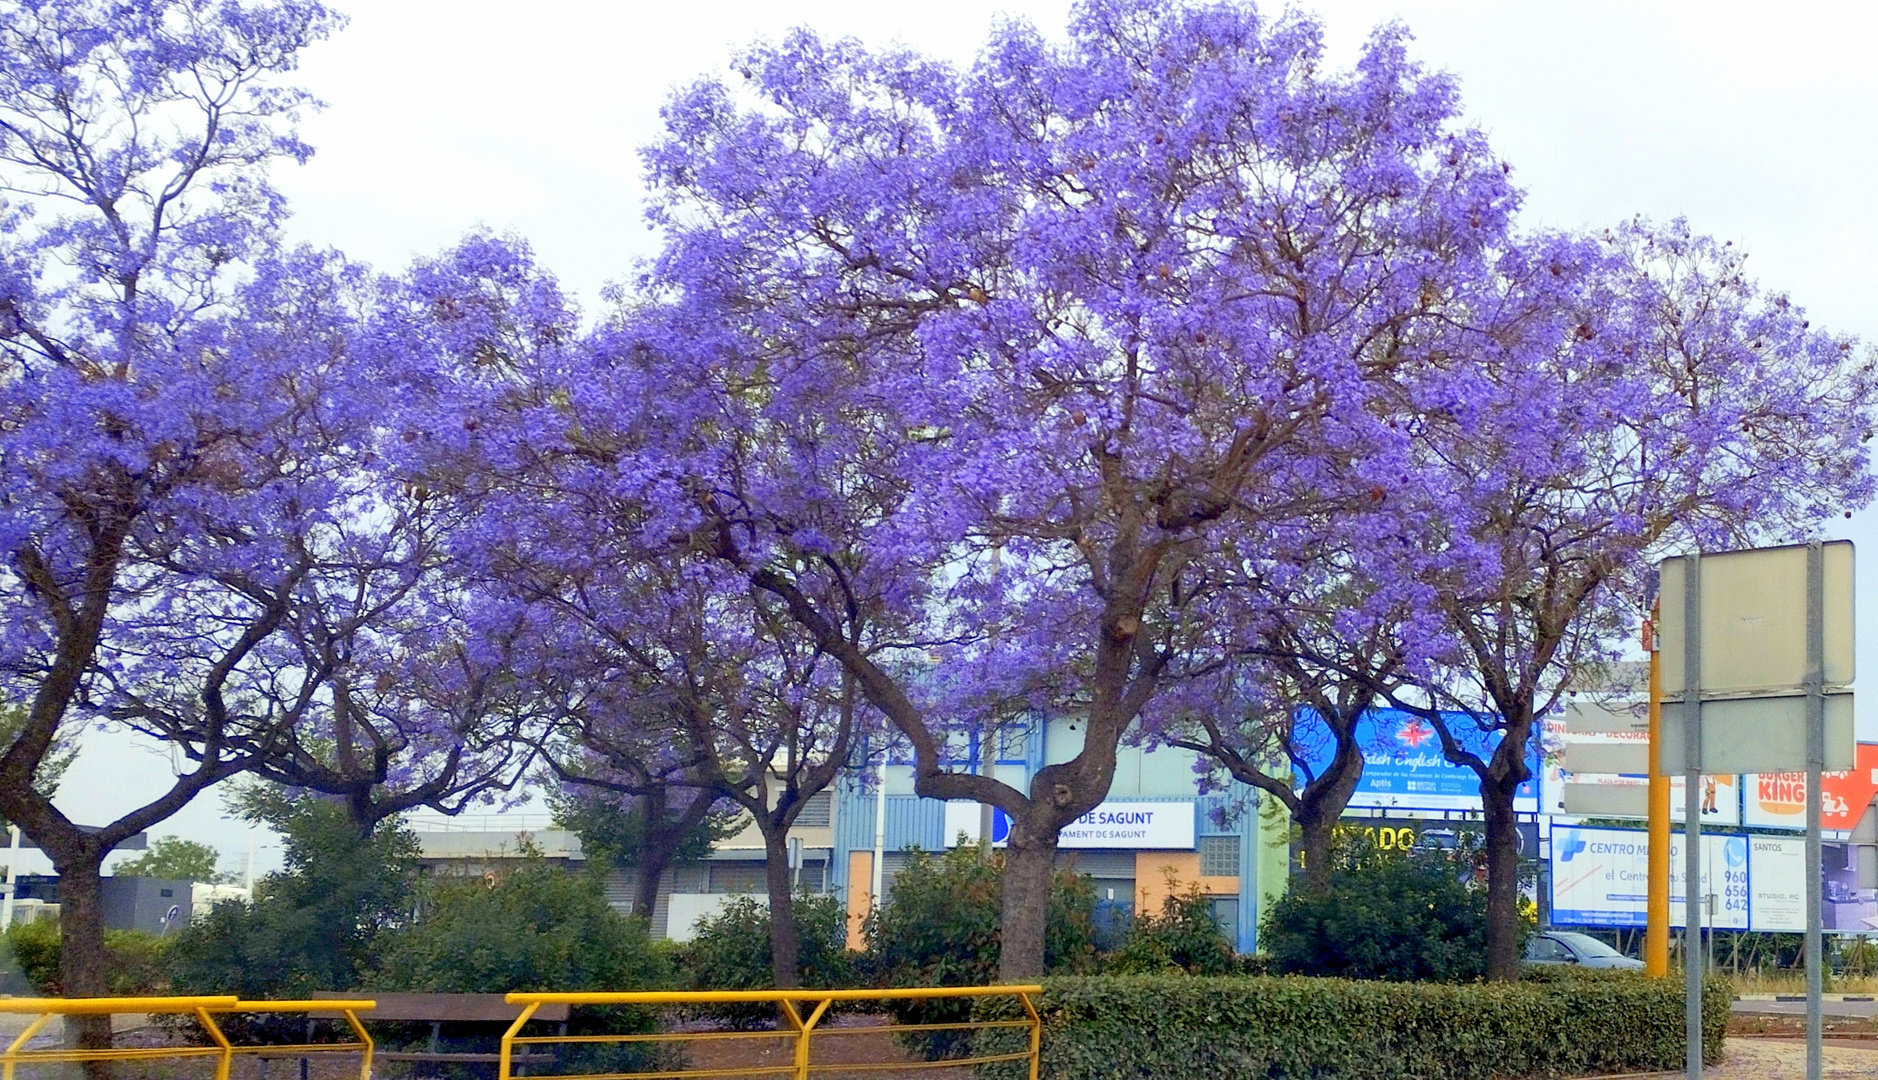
[1404,767]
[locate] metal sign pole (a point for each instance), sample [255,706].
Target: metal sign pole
[1815,764]
[1692,812]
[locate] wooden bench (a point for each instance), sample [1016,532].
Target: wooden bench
[440,1009]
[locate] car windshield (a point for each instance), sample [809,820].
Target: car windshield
[1586,945]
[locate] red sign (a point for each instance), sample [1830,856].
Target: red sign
[1780,798]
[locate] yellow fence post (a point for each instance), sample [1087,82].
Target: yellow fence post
[507,1050]
[365,1055]
[227,1061]
[25,1037]
[1036,1033]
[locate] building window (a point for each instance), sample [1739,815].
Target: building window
[1219,856]
[737,876]
[817,810]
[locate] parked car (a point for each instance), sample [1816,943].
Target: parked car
[1566,947]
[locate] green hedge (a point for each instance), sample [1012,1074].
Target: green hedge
[1173,1028]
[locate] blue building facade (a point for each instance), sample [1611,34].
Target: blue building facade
[1172,835]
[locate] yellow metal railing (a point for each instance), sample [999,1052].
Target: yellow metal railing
[203,1009]
[793,1005]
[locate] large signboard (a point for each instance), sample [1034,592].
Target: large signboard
[1404,768]
[1777,884]
[1720,795]
[1156,826]
[1600,877]
[1778,800]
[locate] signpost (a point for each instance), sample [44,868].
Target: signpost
[1759,644]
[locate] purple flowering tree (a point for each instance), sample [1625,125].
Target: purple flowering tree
[1279,712]
[380,698]
[665,683]
[1657,400]
[164,376]
[661,796]
[994,362]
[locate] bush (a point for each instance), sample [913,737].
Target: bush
[535,927]
[1184,938]
[313,926]
[135,959]
[1384,915]
[731,952]
[1163,1028]
[940,925]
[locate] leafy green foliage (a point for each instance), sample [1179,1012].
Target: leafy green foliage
[136,959]
[940,927]
[534,927]
[313,926]
[1184,938]
[174,858]
[1173,1028]
[611,835]
[1384,915]
[731,951]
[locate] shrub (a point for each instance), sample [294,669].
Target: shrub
[1384,915]
[135,958]
[939,927]
[1184,938]
[731,952]
[535,927]
[313,926]
[1163,1028]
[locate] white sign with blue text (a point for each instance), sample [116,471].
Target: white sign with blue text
[1156,826]
[1600,877]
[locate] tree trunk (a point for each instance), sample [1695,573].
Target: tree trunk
[1316,828]
[654,858]
[1029,867]
[82,960]
[1496,797]
[785,945]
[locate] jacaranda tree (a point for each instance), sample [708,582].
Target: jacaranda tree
[991,363]
[169,382]
[1658,401]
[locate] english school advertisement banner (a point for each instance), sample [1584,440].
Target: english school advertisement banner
[1403,766]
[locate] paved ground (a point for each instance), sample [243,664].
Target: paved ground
[1829,1007]
[1768,1059]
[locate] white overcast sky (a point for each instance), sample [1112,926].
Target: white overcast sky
[1758,122]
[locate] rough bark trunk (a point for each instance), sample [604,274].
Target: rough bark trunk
[1315,842]
[785,945]
[1496,797]
[82,960]
[654,858]
[1029,866]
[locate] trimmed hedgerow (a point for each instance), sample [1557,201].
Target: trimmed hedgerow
[1174,1028]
